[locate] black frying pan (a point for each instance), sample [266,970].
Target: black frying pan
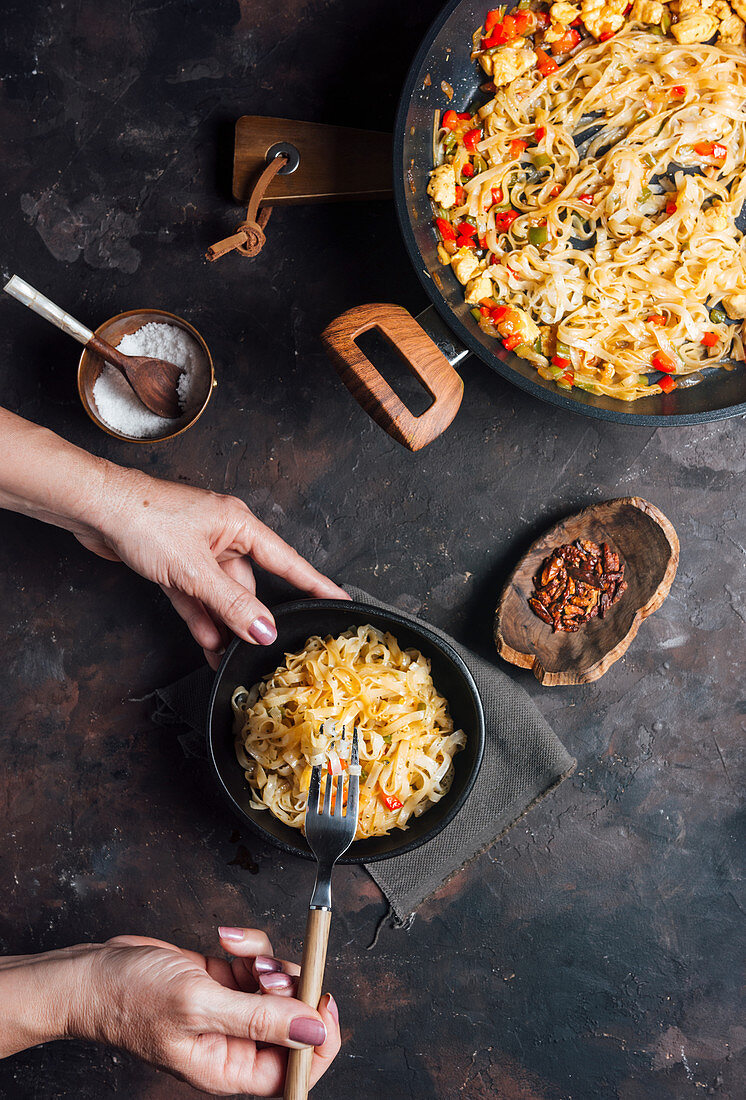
[444,57]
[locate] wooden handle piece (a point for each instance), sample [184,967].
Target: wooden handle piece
[336,162]
[370,389]
[309,991]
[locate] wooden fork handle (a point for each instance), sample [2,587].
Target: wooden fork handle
[309,991]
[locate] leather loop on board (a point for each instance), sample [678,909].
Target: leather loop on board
[249,237]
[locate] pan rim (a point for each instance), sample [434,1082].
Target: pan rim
[457,326]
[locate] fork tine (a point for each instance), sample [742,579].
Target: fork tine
[314,788]
[340,794]
[328,796]
[354,785]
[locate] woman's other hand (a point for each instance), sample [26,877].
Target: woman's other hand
[201,1018]
[198,546]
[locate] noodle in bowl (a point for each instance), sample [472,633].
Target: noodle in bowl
[296,718]
[296,623]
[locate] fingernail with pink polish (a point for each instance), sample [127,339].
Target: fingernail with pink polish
[306,1030]
[231,935]
[263,964]
[263,631]
[331,1004]
[275,981]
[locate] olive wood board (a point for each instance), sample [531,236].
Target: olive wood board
[649,547]
[336,162]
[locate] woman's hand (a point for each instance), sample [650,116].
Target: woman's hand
[196,545]
[198,1017]
[191,1015]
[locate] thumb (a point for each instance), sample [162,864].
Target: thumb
[235,605]
[264,1018]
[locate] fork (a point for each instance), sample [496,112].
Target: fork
[329,835]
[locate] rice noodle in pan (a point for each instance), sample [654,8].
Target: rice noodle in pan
[593,220]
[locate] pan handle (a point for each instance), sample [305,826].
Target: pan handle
[422,355]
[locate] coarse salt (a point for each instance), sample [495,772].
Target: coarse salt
[118,405]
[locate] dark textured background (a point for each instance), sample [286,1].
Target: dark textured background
[594,952]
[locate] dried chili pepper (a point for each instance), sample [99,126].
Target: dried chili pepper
[577,582]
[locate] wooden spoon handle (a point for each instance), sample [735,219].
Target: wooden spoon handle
[23,292]
[309,991]
[367,385]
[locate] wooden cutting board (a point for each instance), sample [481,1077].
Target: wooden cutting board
[336,162]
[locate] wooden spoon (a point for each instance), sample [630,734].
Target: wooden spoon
[155,381]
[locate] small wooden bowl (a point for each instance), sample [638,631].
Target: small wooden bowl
[649,547]
[113,330]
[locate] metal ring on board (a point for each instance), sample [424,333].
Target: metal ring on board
[284,149]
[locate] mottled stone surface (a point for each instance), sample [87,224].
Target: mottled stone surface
[596,951]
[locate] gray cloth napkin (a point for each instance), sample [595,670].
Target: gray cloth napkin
[523,761]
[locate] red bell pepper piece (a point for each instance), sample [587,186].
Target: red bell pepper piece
[587,199]
[667,383]
[450,120]
[466,229]
[540,132]
[471,139]
[561,361]
[713,149]
[499,313]
[545,64]
[460,195]
[670,208]
[567,42]
[556,190]
[678,90]
[663,362]
[446,230]
[464,116]
[485,311]
[493,18]
[709,339]
[465,242]
[606,36]
[517,146]
[468,170]
[505,219]
[656,319]
[523,21]
[390,802]
[497,195]
[568,377]
[512,341]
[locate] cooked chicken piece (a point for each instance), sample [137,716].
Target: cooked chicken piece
[601,17]
[715,218]
[478,288]
[695,28]
[555,32]
[506,64]
[465,265]
[520,324]
[735,304]
[566,14]
[739,7]
[443,256]
[693,7]
[442,186]
[647,11]
[731,29]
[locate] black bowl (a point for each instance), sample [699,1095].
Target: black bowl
[296,622]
